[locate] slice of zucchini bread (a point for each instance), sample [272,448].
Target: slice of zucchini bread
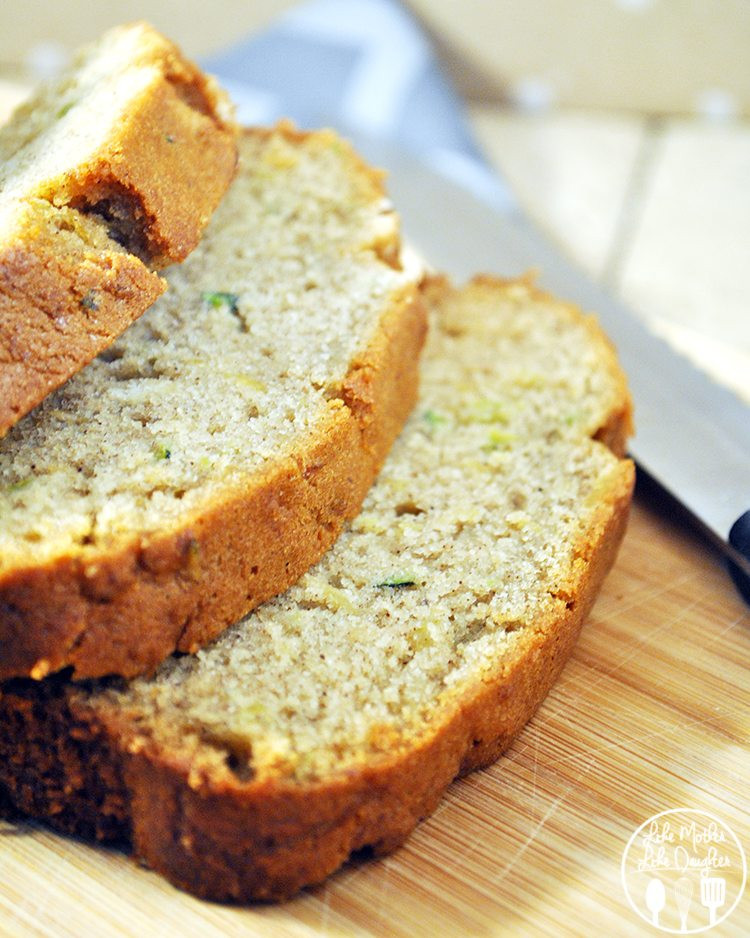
[106,174]
[334,717]
[206,459]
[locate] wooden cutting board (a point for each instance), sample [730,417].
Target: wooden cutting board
[650,714]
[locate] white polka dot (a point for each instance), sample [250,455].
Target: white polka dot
[634,5]
[533,94]
[716,104]
[46,60]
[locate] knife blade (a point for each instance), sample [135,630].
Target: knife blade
[692,435]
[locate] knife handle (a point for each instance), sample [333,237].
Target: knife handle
[739,538]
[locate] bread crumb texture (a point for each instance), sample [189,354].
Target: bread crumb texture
[474,538]
[238,364]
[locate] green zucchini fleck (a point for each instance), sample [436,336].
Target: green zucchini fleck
[218,300]
[398,582]
[161,451]
[64,109]
[21,484]
[498,439]
[485,410]
[89,301]
[170,139]
[434,419]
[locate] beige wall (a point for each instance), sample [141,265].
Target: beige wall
[647,55]
[199,26]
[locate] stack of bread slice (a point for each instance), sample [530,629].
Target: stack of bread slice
[208,460]
[214,451]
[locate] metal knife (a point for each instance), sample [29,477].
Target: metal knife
[692,435]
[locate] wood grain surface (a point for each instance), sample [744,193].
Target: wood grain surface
[650,714]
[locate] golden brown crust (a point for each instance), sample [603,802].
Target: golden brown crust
[131,609]
[154,184]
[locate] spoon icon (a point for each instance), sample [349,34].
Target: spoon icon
[656,899]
